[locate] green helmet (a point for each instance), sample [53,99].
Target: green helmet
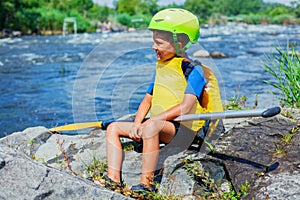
[176,20]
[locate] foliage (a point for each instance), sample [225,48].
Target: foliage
[284,19]
[236,7]
[35,16]
[128,6]
[254,19]
[201,8]
[136,21]
[124,19]
[99,12]
[282,147]
[50,19]
[96,169]
[237,102]
[285,68]
[136,7]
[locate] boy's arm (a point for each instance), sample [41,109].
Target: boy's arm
[180,109]
[136,129]
[143,109]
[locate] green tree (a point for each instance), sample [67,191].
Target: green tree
[297,11]
[51,19]
[296,8]
[28,20]
[99,13]
[148,7]
[236,7]
[201,8]
[7,9]
[82,6]
[280,10]
[128,6]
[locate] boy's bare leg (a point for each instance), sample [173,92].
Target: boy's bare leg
[114,150]
[153,133]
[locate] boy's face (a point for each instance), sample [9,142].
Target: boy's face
[163,45]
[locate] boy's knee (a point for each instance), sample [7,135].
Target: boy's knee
[151,130]
[110,128]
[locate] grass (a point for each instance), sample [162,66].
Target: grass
[240,103]
[285,68]
[237,102]
[96,169]
[285,140]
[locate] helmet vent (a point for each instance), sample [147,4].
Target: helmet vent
[159,20]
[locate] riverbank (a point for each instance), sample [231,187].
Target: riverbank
[260,155]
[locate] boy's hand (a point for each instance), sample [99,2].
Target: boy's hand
[136,132]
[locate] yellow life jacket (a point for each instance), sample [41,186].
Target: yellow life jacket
[210,97]
[168,91]
[169,87]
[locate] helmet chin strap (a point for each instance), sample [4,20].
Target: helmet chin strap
[179,51]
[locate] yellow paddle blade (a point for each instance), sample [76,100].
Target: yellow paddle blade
[78,126]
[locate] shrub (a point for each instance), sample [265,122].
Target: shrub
[285,68]
[51,19]
[285,19]
[124,19]
[83,24]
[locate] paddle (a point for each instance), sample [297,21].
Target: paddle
[270,112]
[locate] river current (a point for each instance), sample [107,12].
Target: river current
[55,80]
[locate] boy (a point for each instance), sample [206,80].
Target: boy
[169,96]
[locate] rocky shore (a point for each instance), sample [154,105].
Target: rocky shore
[261,154]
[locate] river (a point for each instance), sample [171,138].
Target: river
[55,80]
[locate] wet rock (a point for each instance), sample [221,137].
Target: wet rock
[217,54]
[206,54]
[11,33]
[201,54]
[115,27]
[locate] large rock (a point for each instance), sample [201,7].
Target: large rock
[179,180]
[263,152]
[27,141]
[260,151]
[79,150]
[23,178]
[256,152]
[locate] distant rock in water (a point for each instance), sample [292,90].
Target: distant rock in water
[206,54]
[217,54]
[115,27]
[201,54]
